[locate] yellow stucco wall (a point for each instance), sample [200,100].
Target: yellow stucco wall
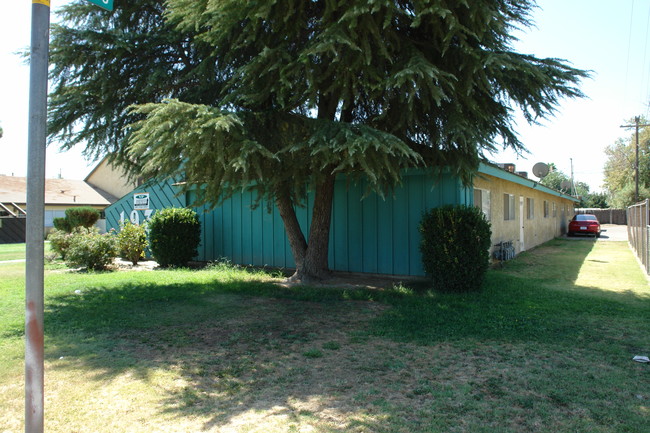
[536,230]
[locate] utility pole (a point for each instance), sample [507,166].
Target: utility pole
[636,126]
[573,186]
[35,231]
[35,224]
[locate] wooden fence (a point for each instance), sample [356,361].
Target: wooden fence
[12,230]
[638,232]
[606,216]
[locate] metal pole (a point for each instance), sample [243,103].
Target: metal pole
[34,347]
[636,125]
[636,161]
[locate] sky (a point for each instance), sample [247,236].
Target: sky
[608,37]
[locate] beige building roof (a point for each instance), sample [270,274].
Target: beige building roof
[110,181]
[57,192]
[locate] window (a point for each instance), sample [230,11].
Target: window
[508,207]
[530,208]
[554,209]
[482,201]
[546,209]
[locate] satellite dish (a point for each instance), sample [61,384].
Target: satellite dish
[565,185]
[540,169]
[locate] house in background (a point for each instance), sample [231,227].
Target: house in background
[368,235]
[110,181]
[104,185]
[60,194]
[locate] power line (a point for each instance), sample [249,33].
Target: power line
[629,48]
[645,52]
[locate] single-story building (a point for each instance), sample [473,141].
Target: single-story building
[521,210]
[369,235]
[104,185]
[110,181]
[60,194]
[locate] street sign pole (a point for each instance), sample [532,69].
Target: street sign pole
[37,131]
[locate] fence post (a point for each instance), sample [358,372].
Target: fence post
[647,239]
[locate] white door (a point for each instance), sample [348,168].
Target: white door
[522,245]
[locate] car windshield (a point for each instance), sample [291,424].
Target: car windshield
[586,218]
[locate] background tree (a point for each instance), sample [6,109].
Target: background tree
[556,178]
[619,170]
[284,95]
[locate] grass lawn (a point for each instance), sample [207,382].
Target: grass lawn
[17,251]
[12,252]
[547,346]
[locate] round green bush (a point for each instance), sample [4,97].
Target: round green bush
[174,236]
[62,225]
[455,247]
[82,216]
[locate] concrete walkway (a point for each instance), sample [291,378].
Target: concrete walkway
[609,232]
[12,261]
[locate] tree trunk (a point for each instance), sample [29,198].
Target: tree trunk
[311,257]
[292,227]
[315,266]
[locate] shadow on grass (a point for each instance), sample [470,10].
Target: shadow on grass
[248,348]
[239,347]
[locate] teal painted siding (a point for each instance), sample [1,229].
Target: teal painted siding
[370,235]
[161,195]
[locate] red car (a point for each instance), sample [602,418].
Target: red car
[585,224]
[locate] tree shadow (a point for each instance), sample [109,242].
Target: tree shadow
[249,352]
[237,354]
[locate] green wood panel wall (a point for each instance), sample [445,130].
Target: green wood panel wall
[371,234]
[161,195]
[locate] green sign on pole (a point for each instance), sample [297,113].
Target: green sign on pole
[106,4]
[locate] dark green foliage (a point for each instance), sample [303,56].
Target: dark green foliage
[83,216]
[62,224]
[441,77]
[91,250]
[141,58]
[596,200]
[455,247]
[132,242]
[59,240]
[174,236]
[285,94]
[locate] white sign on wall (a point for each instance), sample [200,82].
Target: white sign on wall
[141,201]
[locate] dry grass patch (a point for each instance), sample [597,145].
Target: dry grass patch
[217,350]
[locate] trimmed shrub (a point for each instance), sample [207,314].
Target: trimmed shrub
[455,247]
[91,250]
[59,241]
[62,224]
[132,241]
[174,236]
[83,216]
